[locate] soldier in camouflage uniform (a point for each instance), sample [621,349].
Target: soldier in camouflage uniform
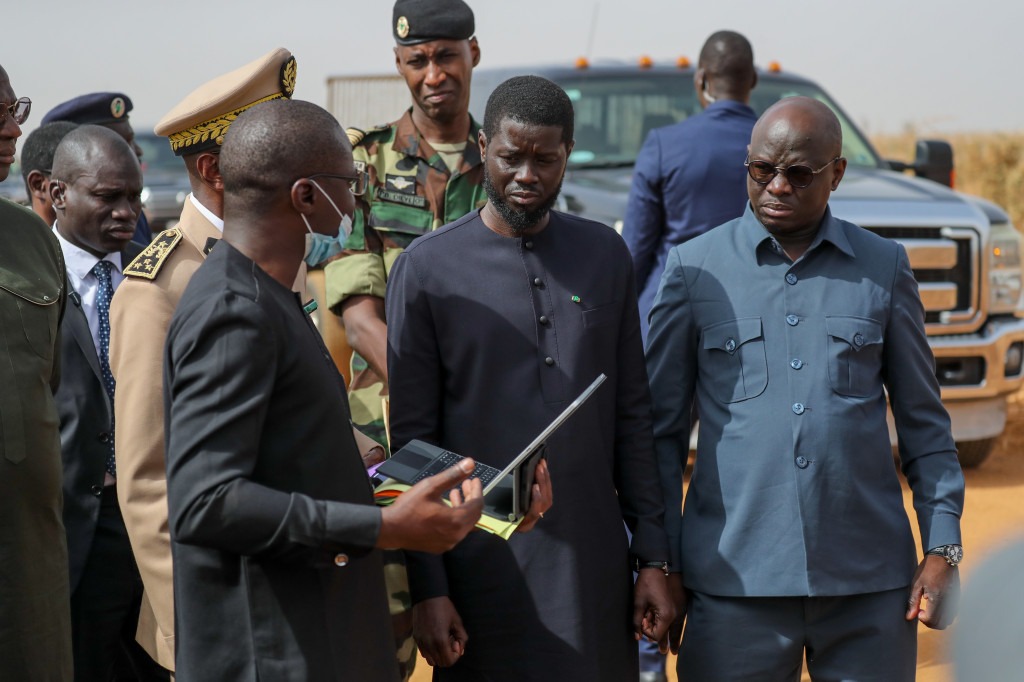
[424,171]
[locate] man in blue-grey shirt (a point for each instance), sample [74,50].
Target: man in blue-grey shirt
[688,177]
[788,326]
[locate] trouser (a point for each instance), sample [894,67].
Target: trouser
[861,638]
[105,606]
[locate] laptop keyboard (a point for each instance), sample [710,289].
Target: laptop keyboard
[449,459]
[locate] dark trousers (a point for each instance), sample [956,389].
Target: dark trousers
[105,607]
[751,639]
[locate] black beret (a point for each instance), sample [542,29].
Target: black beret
[420,21]
[96,107]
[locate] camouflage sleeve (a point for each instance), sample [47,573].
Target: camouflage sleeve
[360,271]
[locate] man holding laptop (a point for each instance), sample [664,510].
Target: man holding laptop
[496,323]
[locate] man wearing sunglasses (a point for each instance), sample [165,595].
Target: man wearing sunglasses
[790,328]
[35,618]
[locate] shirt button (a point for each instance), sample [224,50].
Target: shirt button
[796,363]
[341,560]
[858,339]
[528,245]
[791,278]
[543,319]
[549,361]
[103,437]
[792,320]
[96,490]
[730,345]
[802,462]
[798,408]
[538,282]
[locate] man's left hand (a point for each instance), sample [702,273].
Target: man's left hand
[937,585]
[653,611]
[541,498]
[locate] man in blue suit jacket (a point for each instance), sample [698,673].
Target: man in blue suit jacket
[95,188]
[688,177]
[788,327]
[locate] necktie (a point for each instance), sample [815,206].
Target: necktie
[103,295]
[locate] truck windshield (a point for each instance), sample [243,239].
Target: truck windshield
[614,114]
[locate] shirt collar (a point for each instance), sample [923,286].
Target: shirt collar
[80,262]
[730,105]
[830,230]
[207,213]
[409,141]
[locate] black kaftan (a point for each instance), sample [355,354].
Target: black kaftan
[489,338]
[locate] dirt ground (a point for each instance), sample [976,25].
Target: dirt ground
[994,514]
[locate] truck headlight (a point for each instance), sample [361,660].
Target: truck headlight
[1005,270]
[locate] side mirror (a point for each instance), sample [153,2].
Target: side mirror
[933,159]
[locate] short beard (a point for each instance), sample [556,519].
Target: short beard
[518,220]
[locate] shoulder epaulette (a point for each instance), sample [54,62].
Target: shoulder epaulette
[147,264]
[356,135]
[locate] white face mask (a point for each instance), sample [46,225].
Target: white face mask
[320,247]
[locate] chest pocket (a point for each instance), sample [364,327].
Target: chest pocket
[854,355]
[602,315]
[734,363]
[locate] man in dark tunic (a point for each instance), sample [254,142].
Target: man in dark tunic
[495,323]
[274,533]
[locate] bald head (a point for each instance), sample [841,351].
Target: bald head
[728,60]
[88,147]
[275,143]
[802,117]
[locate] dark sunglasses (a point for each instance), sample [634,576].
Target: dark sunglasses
[18,111]
[798,176]
[357,183]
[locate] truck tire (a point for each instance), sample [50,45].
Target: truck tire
[973,452]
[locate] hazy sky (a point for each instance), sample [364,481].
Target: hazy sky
[937,65]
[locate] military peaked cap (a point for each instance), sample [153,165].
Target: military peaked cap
[199,122]
[420,21]
[96,107]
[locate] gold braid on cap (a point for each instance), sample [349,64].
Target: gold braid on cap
[215,128]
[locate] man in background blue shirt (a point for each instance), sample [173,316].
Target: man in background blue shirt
[689,176]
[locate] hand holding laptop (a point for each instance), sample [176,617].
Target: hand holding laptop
[421,520]
[541,497]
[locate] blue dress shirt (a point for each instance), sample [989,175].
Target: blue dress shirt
[689,177]
[794,492]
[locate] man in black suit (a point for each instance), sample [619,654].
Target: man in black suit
[95,188]
[274,535]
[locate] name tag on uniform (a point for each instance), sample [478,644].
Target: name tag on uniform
[402,198]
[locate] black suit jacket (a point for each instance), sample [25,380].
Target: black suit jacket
[271,511]
[86,427]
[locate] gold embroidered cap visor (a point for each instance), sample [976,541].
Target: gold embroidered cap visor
[199,122]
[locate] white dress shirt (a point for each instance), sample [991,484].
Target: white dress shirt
[79,265]
[217,222]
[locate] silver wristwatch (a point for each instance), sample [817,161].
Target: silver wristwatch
[953,554]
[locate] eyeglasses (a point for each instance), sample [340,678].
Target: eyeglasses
[357,183]
[18,111]
[798,176]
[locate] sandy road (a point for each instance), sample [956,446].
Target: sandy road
[994,514]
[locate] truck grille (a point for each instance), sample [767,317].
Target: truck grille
[946,264]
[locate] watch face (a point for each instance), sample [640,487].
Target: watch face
[954,554]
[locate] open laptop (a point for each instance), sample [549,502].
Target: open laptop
[505,497]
